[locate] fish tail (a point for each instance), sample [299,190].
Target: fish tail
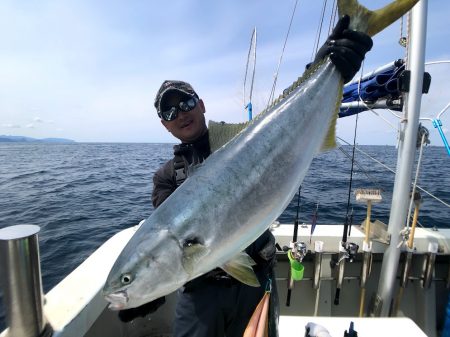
[373,22]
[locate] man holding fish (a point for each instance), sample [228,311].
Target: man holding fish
[218,303]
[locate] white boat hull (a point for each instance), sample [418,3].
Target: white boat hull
[75,307]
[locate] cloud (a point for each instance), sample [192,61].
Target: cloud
[11,126]
[97,80]
[30,126]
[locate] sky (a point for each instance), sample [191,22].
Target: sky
[89,70]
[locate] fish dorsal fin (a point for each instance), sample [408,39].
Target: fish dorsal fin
[240,267]
[221,133]
[372,22]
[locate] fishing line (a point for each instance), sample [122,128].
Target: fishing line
[319,31]
[436,62]
[392,171]
[346,225]
[419,162]
[371,178]
[398,116]
[361,101]
[332,17]
[272,92]
[347,219]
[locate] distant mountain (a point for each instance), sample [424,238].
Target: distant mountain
[23,139]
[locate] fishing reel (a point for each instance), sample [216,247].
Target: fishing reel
[349,250]
[404,237]
[298,250]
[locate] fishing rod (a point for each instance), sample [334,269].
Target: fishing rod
[314,222]
[296,252]
[347,250]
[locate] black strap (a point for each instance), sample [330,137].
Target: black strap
[180,169]
[184,156]
[180,162]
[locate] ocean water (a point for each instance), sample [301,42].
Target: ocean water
[82,194]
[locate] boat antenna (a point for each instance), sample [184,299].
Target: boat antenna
[251,58]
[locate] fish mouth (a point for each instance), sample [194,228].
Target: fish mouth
[117,300]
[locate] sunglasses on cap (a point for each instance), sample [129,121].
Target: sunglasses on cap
[172,113]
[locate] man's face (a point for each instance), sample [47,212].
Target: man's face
[189,125]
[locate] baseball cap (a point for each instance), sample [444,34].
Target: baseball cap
[171,87]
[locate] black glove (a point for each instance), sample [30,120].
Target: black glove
[142,311]
[346,48]
[262,251]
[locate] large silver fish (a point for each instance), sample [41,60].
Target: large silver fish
[234,196]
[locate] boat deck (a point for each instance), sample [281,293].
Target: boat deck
[75,307]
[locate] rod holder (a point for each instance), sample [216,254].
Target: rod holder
[317,263]
[365,273]
[20,277]
[429,265]
[366,267]
[343,255]
[404,278]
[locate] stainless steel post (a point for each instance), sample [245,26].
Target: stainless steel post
[21,281]
[405,160]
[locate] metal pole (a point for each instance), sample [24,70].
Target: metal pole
[21,281]
[405,160]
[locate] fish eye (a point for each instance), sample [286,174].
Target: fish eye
[126,279]
[191,241]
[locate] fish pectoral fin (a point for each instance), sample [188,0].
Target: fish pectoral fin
[192,254]
[240,267]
